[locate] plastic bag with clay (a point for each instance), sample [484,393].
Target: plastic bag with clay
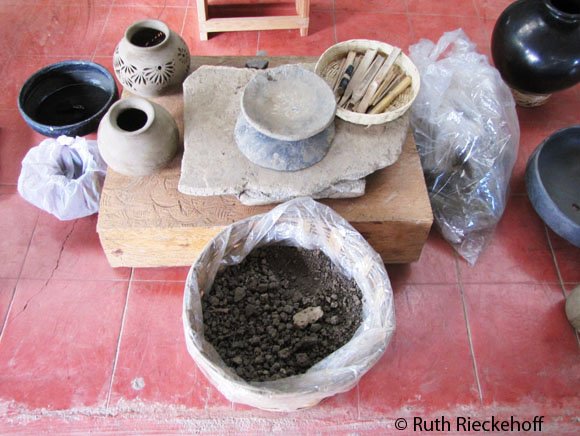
[64,177]
[303,223]
[467,133]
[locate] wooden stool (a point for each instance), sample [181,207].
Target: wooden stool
[298,21]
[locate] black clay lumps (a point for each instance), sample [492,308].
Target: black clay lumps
[67,98]
[536,45]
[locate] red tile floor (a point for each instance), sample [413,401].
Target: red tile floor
[84,347]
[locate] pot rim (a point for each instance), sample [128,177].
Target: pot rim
[131,103]
[151,24]
[561,14]
[37,78]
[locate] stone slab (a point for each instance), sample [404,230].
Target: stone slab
[213,165]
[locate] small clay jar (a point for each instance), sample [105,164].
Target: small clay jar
[151,59]
[137,137]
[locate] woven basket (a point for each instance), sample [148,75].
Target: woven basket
[401,103]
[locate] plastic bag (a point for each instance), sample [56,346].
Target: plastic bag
[64,177]
[301,222]
[467,134]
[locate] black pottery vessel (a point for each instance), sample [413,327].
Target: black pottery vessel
[536,48]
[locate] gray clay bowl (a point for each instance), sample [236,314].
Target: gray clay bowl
[67,98]
[553,182]
[288,103]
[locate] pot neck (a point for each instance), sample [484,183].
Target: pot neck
[565,11]
[141,35]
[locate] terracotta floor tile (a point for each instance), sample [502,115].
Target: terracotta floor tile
[492,9]
[153,363]
[12,17]
[178,273]
[69,250]
[338,408]
[568,258]
[526,351]
[465,8]
[317,5]
[7,287]
[560,111]
[16,138]
[60,29]
[226,43]
[428,365]
[433,27]
[518,251]
[17,222]
[162,3]
[393,29]
[121,17]
[59,343]
[436,265]
[391,6]
[242,10]
[290,43]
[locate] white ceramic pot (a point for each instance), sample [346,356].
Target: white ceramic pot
[151,59]
[137,137]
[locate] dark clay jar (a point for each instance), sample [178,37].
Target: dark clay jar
[536,45]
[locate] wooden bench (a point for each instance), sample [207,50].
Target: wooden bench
[208,25]
[147,222]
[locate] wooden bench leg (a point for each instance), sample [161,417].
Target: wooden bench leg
[303,10]
[202,18]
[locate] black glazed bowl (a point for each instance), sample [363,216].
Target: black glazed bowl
[553,182]
[67,98]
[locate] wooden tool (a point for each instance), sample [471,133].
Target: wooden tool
[377,80]
[346,75]
[391,78]
[358,75]
[360,90]
[391,96]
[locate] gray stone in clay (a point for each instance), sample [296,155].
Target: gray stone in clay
[213,164]
[281,155]
[288,103]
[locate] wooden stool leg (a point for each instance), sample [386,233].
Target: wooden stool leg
[202,18]
[303,10]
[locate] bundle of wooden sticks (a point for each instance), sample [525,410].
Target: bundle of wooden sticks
[367,82]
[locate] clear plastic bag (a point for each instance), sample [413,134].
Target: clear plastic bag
[64,177]
[301,222]
[467,134]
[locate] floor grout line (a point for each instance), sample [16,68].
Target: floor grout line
[477,11]
[184,19]
[102,33]
[118,348]
[468,327]
[334,21]
[555,260]
[13,296]
[562,282]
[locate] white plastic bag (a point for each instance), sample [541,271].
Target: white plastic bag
[467,134]
[301,222]
[64,177]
